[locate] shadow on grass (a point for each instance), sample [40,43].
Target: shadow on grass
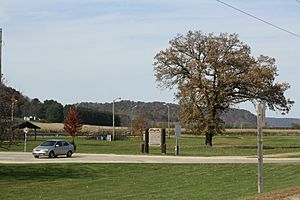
[267,147]
[41,172]
[93,145]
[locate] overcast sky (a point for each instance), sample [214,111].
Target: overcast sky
[98,50]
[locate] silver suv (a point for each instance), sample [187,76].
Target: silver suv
[53,148]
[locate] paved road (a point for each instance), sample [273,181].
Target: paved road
[22,158]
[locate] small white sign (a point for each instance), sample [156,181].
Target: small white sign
[108,137]
[177,130]
[26,130]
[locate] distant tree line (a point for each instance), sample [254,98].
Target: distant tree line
[48,111]
[54,112]
[154,112]
[5,121]
[93,117]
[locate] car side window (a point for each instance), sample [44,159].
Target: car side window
[59,143]
[66,144]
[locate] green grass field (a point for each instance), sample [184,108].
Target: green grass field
[141,181]
[152,181]
[189,146]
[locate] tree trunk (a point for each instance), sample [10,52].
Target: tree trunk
[73,142]
[208,138]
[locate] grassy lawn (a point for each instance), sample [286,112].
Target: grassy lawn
[141,181]
[152,181]
[189,146]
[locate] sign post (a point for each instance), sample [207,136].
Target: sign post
[177,135]
[260,124]
[26,130]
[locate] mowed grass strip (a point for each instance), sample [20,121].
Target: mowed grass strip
[189,146]
[141,181]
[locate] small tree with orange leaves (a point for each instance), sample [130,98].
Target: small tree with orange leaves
[72,123]
[140,124]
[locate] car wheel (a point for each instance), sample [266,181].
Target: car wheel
[69,154]
[51,154]
[36,156]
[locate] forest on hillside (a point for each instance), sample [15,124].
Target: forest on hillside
[156,113]
[19,107]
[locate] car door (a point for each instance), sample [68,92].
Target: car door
[59,148]
[66,147]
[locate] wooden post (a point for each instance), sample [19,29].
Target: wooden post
[163,145]
[113,120]
[35,134]
[147,141]
[260,124]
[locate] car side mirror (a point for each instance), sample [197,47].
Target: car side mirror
[57,145]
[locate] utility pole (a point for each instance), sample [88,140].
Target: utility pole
[113,114]
[0,55]
[260,124]
[131,118]
[13,102]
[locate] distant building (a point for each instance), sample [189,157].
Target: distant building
[31,118]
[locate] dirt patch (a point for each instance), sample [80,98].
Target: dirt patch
[287,194]
[282,155]
[295,197]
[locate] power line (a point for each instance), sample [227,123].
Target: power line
[264,21]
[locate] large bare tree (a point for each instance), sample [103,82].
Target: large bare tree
[213,72]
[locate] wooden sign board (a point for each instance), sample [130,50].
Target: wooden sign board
[155,136]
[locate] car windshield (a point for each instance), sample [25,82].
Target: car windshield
[48,143]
